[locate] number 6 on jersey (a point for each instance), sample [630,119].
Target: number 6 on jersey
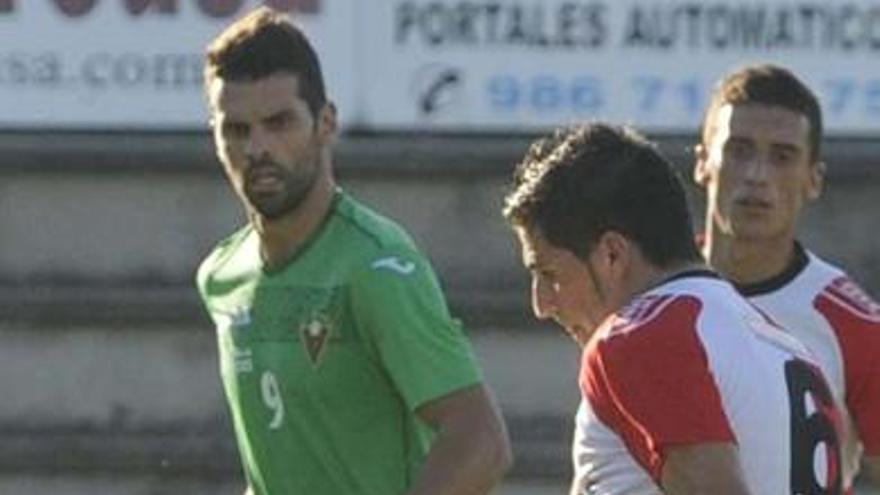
[815,448]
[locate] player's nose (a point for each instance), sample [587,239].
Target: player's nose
[257,144]
[757,169]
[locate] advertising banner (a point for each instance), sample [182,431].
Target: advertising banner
[135,64]
[442,65]
[520,65]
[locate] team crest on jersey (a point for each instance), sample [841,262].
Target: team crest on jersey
[315,335]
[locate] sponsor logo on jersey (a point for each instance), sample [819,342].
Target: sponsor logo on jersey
[395,264]
[315,334]
[243,360]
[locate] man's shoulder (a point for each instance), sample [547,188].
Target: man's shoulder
[849,297]
[648,327]
[832,285]
[700,313]
[379,248]
[650,312]
[371,227]
[221,253]
[674,303]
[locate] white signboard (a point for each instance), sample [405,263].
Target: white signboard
[446,65]
[136,64]
[514,65]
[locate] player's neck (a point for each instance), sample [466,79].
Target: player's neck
[644,276]
[283,238]
[658,276]
[747,261]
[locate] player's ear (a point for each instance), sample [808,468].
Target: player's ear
[701,167]
[327,122]
[615,250]
[816,182]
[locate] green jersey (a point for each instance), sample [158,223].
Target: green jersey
[325,360]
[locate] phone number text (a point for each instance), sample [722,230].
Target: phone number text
[648,95]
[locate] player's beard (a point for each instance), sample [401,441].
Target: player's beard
[295,185]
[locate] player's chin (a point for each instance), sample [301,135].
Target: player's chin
[754,230]
[579,334]
[269,207]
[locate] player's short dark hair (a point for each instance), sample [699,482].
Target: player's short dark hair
[261,44]
[767,84]
[585,180]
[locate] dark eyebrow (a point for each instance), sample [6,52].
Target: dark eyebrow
[787,147]
[285,113]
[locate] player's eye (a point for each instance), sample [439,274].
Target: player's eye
[738,150]
[279,122]
[783,156]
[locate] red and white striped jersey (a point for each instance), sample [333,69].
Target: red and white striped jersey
[821,306]
[691,362]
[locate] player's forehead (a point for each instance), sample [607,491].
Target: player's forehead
[760,123]
[255,99]
[531,246]
[536,251]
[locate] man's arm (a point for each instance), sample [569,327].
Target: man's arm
[871,470]
[471,450]
[709,468]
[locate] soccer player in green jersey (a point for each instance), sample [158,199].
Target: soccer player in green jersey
[344,372]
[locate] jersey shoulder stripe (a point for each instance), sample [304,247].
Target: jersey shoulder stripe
[638,314]
[846,294]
